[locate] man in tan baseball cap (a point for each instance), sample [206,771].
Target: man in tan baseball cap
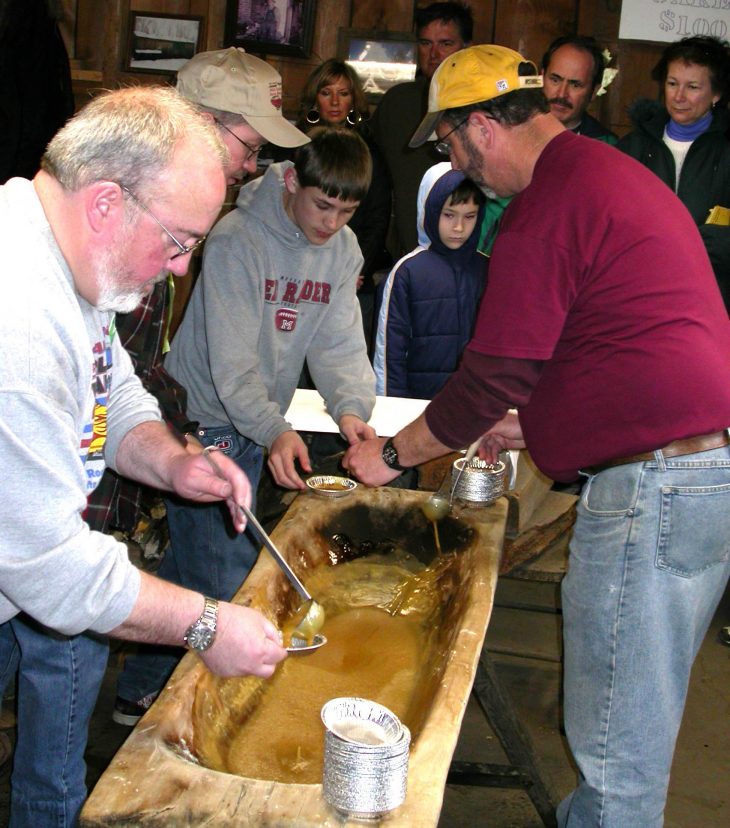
[242,94]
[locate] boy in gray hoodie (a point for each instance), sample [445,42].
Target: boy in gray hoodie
[278,286]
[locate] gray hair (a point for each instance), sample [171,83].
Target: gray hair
[127,136]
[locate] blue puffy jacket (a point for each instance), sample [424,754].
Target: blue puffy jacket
[429,301]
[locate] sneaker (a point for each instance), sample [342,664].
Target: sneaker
[128,713]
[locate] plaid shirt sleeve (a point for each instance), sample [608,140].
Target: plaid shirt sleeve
[116,501]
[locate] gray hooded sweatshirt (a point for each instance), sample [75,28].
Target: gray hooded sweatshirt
[267,299]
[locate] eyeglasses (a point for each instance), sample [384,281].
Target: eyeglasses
[183,249]
[442,146]
[252,153]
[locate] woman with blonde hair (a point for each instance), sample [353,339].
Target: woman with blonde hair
[333,95]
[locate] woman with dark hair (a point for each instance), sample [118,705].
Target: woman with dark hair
[333,96]
[685,139]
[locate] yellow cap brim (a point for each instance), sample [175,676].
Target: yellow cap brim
[426,130]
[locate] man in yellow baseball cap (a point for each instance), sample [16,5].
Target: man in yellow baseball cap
[479,73]
[593,309]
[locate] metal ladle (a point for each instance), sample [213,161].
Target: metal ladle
[313,621]
[438,505]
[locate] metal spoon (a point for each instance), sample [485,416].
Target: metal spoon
[438,505]
[313,619]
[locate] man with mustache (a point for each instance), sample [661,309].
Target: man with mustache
[572,71]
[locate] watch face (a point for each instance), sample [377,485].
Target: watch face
[390,455]
[199,637]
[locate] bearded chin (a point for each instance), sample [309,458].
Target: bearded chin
[488,192]
[114,295]
[119,302]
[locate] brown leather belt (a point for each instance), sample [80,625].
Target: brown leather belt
[677,448]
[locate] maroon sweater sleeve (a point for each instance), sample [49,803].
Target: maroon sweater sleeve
[478,395]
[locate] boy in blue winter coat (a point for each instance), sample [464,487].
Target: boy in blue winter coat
[431,296]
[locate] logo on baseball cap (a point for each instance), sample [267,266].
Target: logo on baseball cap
[233,81]
[470,76]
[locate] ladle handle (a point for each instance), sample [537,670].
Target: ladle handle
[468,457]
[263,535]
[278,557]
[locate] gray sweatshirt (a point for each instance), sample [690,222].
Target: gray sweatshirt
[61,421]
[266,300]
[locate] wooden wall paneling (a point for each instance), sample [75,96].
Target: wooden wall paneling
[529,26]
[634,60]
[383,15]
[161,6]
[90,24]
[114,42]
[215,30]
[331,16]
[599,18]
[484,12]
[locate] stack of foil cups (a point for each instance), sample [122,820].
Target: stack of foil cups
[365,758]
[477,481]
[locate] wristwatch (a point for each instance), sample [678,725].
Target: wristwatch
[390,456]
[201,634]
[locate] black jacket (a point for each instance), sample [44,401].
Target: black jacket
[704,181]
[35,85]
[592,128]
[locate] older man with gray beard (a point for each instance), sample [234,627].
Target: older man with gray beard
[128,188]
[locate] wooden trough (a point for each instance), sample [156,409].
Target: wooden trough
[156,778]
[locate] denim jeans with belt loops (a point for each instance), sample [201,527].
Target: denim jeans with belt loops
[649,562]
[58,683]
[205,554]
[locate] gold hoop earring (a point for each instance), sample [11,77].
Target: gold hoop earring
[353,117]
[313,116]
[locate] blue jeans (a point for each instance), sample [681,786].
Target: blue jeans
[58,683]
[649,562]
[205,554]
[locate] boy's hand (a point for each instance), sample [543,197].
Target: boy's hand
[354,430]
[285,450]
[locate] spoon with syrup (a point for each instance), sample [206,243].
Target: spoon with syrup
[438,505]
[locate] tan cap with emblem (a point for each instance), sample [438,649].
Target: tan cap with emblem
[233,81]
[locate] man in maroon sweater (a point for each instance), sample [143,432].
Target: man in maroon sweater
[602,324]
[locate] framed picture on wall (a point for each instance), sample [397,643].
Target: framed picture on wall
[380,59]
[162,43]
[276,27]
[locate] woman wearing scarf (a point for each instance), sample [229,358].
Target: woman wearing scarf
[685,140]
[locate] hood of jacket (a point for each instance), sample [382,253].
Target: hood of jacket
[437,184]
[263,201]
